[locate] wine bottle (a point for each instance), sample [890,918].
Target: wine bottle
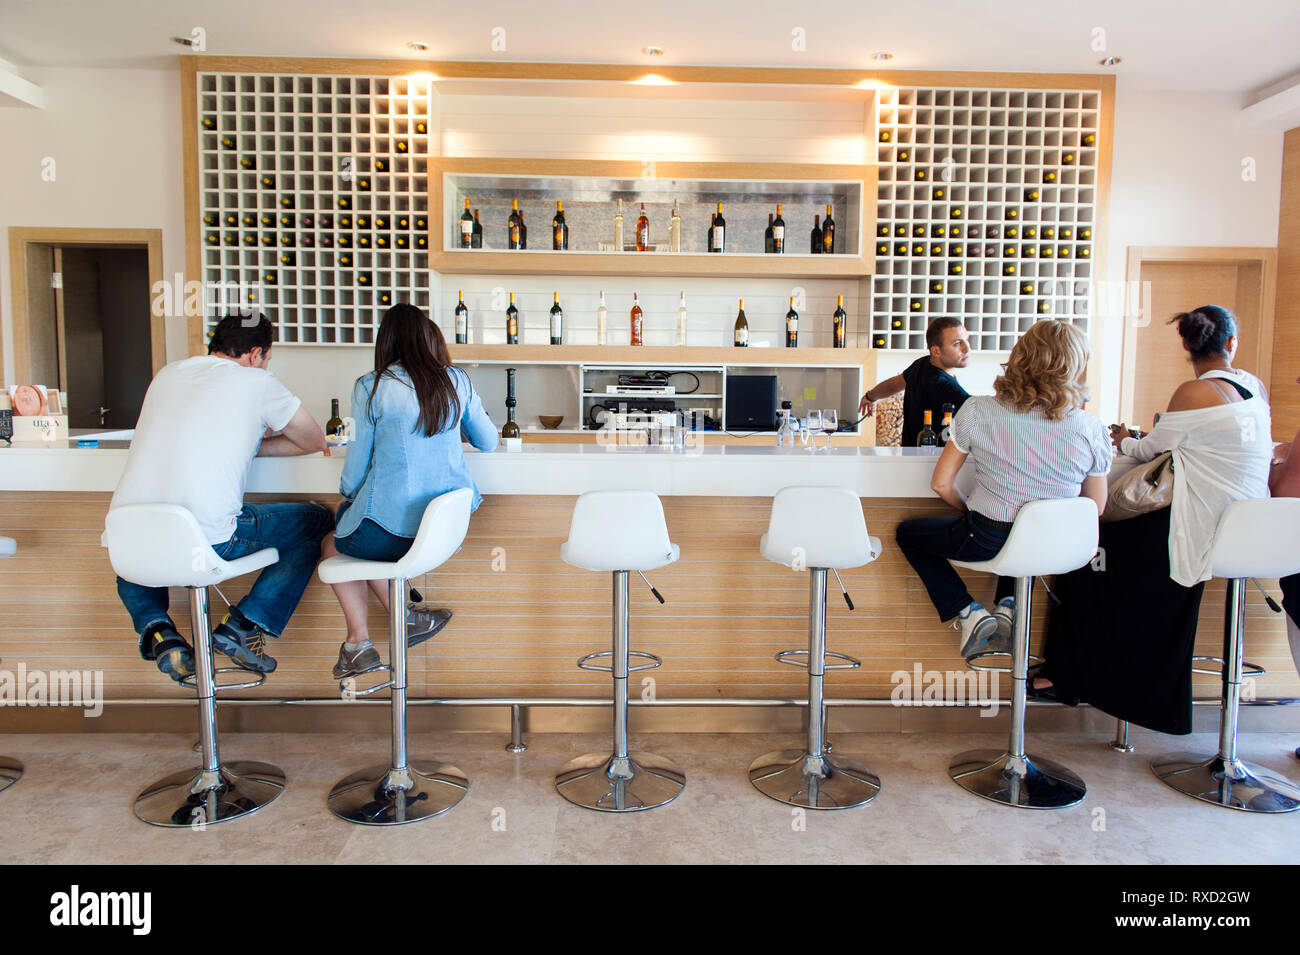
[642,231]
[681,319]
[828,232]
[778,231]
[334,426]
[675,230]
[462,321]
[512,322]
[557,322]
[838,321]
[815,243]
[466,227]
[740,336]
[618,226]
[769,243]
[511,430]
[792,326]
[602,318]
[559,229]
[477,241]
[637,322]
[514,226]
[523,231]
[927,439]
[718,232]
[945,434]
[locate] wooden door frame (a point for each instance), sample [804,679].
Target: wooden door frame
[20,237]
[1264,256]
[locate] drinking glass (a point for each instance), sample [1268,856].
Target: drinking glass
[811,427]
[830,424]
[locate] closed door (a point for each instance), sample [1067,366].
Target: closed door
[1159,361]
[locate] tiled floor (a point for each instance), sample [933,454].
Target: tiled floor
[73,806]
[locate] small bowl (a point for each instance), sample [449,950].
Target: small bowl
[550,421]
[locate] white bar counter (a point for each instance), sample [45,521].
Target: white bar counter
[538,469]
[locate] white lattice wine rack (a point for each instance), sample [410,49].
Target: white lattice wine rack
[314,200]
[985,212]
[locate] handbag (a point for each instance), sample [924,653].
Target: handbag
[1141,490]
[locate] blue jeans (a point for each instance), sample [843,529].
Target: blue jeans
[928,542]
[369,541]
[293,528]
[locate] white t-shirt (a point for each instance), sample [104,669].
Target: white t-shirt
[201,424]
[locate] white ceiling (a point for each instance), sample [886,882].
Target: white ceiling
[1166,44]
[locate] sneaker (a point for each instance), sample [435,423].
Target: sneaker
[976,626]
[170,652]
[1005,615]
[423,624]
[244,643]
[356,663]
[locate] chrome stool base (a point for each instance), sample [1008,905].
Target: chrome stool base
[793,777]
[10,772]
[1227,782]
[382,796]
[609,784]
[1028,782]
[193,798]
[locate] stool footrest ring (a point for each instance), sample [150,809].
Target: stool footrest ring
[386,668]
[192,680]
[852,663]
[654,661]
[1035,661]
[1247,668]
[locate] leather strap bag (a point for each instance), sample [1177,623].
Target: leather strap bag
[1141,490]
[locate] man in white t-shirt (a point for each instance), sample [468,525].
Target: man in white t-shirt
[203,421]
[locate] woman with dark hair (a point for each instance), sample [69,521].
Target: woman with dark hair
[1123,633]
[411,414]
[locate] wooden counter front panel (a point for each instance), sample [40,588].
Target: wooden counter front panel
[523,617]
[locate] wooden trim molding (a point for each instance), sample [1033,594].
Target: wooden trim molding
[20,237]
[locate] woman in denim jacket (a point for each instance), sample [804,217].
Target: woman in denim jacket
[411,415]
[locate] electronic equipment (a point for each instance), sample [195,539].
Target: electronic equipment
[621,389]
[751,403]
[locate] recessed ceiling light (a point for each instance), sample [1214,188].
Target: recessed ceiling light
[882,56]
[1110,61]
[653,50]
[183,40]
[417,45]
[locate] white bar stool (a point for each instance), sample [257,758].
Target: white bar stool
[1255,539]
[817,528]
[161,545]
[11,770]
[619,532]
[1048,537]
[402,790]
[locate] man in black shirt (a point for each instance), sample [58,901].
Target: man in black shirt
[927,383]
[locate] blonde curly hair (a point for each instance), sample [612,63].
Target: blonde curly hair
[1046,370]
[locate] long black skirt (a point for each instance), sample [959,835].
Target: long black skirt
[1123,634]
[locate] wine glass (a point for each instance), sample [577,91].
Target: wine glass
[811,427]
[830,424]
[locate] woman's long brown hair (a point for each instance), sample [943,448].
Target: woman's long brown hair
[407,338]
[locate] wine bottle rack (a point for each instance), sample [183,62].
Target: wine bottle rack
[313,200]
[985,210]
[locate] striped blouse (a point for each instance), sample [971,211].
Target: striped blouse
[1023,456]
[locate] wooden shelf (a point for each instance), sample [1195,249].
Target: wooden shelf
[692,355]
[667,264]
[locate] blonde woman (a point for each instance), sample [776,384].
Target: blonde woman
[1029,441]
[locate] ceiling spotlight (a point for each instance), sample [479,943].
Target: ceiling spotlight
[183,40]
[882,56]
[1110,61]
[653,50]
[417,46]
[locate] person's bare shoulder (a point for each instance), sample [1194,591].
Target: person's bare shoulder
[1194,394]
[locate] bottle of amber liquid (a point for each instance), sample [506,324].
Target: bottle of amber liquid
[642,231]
[512,322]
[828,232]
[637,322]
[559,229]
[740,334]
[334,426]
[838,321]
[514,227]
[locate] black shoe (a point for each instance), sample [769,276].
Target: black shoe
[169,651]
[1047,694]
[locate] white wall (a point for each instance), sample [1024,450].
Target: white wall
[114,136]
